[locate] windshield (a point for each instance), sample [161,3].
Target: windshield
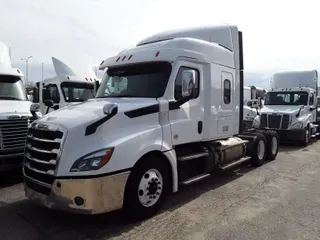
[147,80]
[77,92]
[286,98]
[12,88]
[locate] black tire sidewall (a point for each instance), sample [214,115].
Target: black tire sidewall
[269,136]
[255,158]
[132,206]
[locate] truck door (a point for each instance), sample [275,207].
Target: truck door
[187,121]
[227,115]
[55,97]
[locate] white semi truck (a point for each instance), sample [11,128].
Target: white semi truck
[64,89]
[175,116]
[14,113]
[290,106]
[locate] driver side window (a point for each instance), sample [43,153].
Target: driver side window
[311,99]
[54,93]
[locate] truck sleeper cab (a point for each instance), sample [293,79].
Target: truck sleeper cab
[167,114]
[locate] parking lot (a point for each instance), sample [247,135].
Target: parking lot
[280,200]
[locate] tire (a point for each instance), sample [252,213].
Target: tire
[147,187]
[259,150]
[306,137]
[272,144]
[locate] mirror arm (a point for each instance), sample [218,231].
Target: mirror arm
[176,104]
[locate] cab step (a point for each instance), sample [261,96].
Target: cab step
[315,135]
[193,156]
[230,165]
[195,179]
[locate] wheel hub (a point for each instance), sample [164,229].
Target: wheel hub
[150,188]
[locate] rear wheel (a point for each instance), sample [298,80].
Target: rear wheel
[259,150]
[147,188]
[272,144]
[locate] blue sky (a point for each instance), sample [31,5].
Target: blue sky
[278,35]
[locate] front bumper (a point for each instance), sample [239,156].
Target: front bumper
[10,161]
[291,135]
[100,195]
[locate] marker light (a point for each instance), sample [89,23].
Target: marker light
[157,54]
[130,57]
[124,58]
[118,59]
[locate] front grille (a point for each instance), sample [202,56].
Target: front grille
[42,151]
[264,122]
[285,122]
[275,121]
[13,134]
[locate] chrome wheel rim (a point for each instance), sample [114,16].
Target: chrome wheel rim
[150,188]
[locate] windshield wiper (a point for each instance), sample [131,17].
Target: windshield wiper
[10,98]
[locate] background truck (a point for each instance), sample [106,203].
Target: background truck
[63,89]
[253,99]
[14,113]
[175,116]
[290,106]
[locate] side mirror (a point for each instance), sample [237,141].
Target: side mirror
[110,109]
[35,110]
[56,107]
[46,95]
[48,103]
[35,107]
[188,82]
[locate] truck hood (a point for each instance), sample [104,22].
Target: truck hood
[14,107]
[92,110]
[284,109]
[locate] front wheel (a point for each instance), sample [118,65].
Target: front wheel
[147,188]
[306,137]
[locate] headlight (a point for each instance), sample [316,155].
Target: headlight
[92,161]
[297,125]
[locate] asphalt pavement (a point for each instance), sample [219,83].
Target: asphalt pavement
[279,200]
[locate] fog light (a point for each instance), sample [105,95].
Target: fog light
[79,201]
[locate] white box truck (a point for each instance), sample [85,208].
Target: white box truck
[168,113]
[290,106]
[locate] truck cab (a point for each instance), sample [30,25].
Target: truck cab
[64,89]
[53,93]
[167,114]
[14,118]
[290,106]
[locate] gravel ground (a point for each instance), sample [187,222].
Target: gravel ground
[280,200]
